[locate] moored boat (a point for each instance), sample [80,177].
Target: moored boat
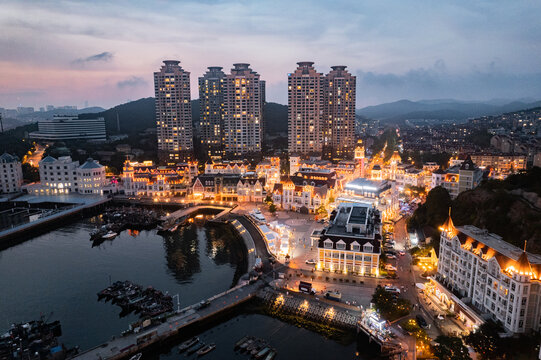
[188,344]
[241,341]
[109,235]
[136,356]
[263,352]
[271,355]
[206,349]
[195,348]
[245,345]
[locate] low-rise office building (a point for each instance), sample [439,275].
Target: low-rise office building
[70,127]
[351,242]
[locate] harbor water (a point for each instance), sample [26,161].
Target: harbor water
[58,274]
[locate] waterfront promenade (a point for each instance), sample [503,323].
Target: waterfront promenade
[74,204]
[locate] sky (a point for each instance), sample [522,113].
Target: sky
[105,53]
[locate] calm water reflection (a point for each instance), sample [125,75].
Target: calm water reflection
[60,273]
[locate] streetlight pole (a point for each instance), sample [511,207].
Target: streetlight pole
[178,302]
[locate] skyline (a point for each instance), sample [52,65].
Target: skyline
[400,50]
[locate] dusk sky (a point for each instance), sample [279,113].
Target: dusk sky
[69,52]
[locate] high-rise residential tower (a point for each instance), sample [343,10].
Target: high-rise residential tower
[211,111]
[243,111]
[305,110]
[338,113]
[173,112]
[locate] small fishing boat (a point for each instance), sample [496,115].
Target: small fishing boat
[109,235]
[241,341]
[245,345]
[196,347]
[253,345]
[271,355]
[188,344]
[263,352]
[256,349]
[136,356]
[206,349]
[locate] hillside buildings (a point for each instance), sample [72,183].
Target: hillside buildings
[70,127]
[65,176]
[305,110]
[351,243]
[243,111]
[11,174]
[481,276]
[211,111]
[458,178]
[173,112]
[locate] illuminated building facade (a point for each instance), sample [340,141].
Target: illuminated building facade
[64,176]
[458,178]
[11,174]
[269,168]
[491,277]
[305,110]
[173,112]
[338,113]
[305,191]
[147,179]
[227,167]
[220,187]
[351,242]
[382,194]
[211,111]
[243,117]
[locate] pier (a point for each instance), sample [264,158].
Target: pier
[133,343]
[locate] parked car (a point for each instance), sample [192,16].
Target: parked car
[390,256]
[311,262]
[421,321]
[402,252]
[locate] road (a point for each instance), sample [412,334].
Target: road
[36,156]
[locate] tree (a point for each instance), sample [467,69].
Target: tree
[268,200]
[389,306]
[486,341]
[272,208]
[30,173]
[450,348]
[321,210]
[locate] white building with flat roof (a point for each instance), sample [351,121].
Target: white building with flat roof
[11,174]
[70,127]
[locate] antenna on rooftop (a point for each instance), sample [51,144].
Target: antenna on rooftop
[525,242]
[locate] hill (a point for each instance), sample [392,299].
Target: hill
[138,115]
[510,208]
[446,109]
[275,116]
[133,116]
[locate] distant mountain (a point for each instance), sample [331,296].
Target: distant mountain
[133,116]
[275,117]
[444,109]
[138,115]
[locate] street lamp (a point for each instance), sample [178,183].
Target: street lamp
[178,302]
